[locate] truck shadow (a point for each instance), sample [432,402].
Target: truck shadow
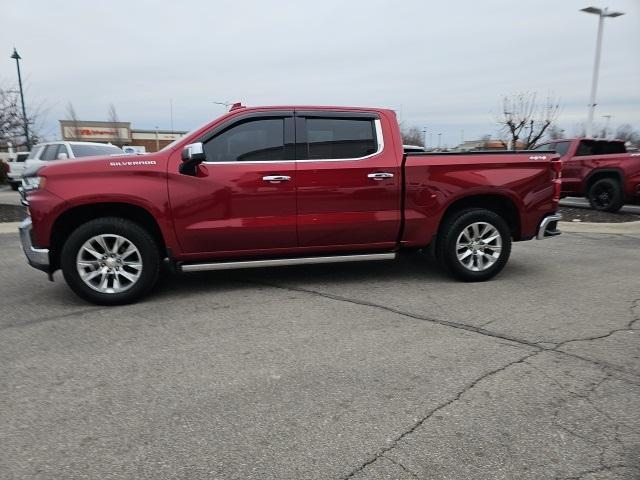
[408,268]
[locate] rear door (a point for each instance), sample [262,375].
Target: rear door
[348,181]
[242,200]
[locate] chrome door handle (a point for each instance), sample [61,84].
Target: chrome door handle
[276,178]
[380,175]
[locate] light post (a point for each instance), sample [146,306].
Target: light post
[424,137]
[602,14]
[17,57]
[606,125]
[439,141]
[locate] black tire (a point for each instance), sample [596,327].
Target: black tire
[136,235]
[14,186]
[447,251]
[606,195]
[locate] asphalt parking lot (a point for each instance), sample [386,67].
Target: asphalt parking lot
[362,371]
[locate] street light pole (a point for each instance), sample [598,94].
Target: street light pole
[606,125]
[602,14]
[17,57]
[424,137]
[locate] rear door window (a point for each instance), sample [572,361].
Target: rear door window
[613,148]
[340,138]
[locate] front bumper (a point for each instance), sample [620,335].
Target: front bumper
[549,226]
[37,257]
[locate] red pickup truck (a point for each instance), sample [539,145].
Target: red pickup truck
[600,170]
[282,186]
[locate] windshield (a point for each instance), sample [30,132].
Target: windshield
[80,150]
[34,153]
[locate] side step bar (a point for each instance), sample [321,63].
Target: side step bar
[278,262]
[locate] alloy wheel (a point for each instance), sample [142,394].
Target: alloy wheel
[479,246]
[109,263]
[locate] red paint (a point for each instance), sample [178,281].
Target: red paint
[227,210]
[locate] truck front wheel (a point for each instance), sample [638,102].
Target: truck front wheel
[606,195]
[110,261]
[474,244]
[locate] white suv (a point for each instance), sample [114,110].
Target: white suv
[45,152]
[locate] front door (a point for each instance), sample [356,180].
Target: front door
[348,182]
[242,201]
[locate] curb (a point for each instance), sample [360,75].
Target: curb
[9,227]
[625,228]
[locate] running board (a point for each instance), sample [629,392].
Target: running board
[281,262]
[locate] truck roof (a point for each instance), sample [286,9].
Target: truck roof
[313,107]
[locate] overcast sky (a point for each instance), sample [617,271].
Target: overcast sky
[443,65]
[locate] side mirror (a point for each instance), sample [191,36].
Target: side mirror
[62,156]
[192,155]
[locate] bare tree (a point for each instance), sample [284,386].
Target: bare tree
[73,117]
[12,120]
[554,132]
[115,124]
[523,120]
[627,133]
[412,136]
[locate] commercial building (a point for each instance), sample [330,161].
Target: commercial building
[118,133]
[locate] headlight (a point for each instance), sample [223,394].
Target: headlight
[33,183]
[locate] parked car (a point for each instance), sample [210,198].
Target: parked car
[47,152]
[600,170]
[16,168]
[283,186]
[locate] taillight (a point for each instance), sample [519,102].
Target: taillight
[556,166]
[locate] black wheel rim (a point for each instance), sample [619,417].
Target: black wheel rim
[602,195]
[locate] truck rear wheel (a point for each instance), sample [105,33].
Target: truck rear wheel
[474,244]
[606,195]
[110,261]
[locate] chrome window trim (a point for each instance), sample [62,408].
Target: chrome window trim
[379,138]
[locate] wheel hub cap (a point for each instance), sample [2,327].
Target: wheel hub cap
[479,246]
[109,263]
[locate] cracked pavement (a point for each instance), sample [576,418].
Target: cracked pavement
[362,371]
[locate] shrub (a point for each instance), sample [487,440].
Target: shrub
[4,169]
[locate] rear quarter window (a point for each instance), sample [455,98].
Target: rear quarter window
[600,147]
